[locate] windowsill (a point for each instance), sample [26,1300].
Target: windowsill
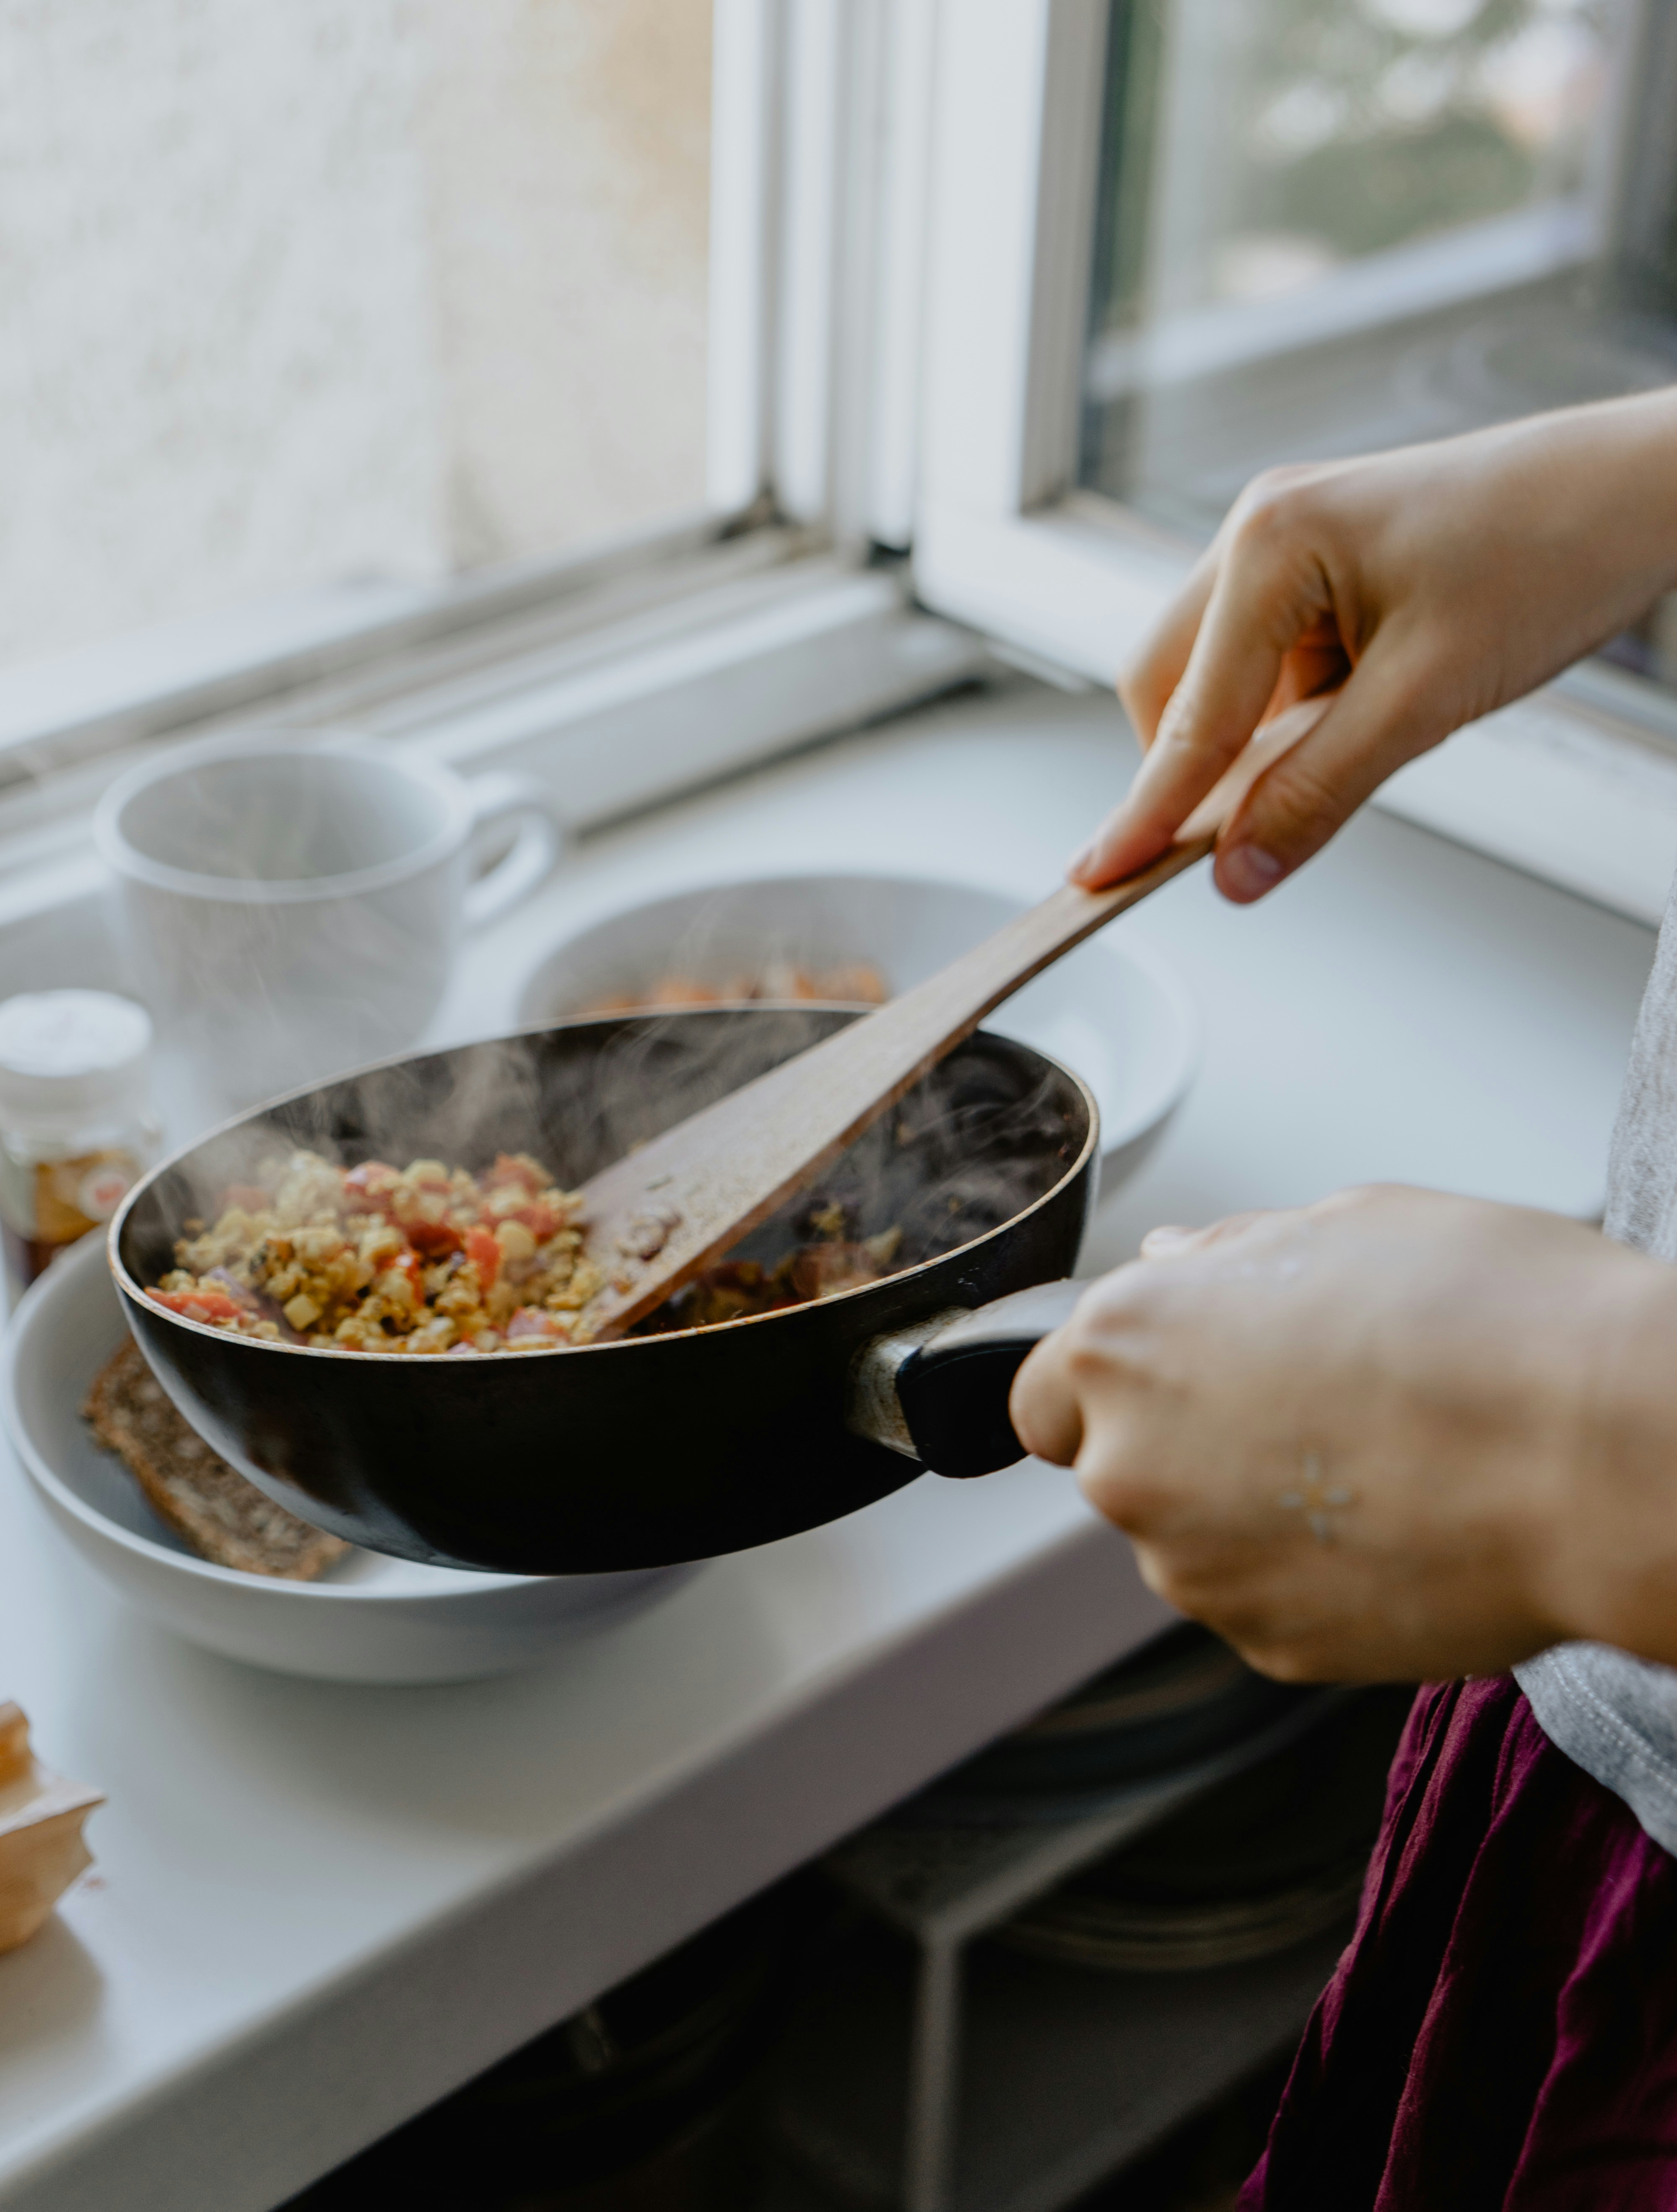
[96,698]
[617,695]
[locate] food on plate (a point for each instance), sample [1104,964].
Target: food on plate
[431,1259]
[224,1518]
[42,1817]
[373,1258]
[850,982]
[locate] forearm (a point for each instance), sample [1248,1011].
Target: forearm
[1412,591]
[1585,508]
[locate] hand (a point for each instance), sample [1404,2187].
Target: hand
[1392,1435]
[1409,592]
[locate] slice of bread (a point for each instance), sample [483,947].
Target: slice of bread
[224,1518]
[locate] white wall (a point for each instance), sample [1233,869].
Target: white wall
[295,291]
[569,159]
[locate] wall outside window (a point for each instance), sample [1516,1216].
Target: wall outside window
[300,293]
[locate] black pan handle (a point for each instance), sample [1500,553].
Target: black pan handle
[938,1393]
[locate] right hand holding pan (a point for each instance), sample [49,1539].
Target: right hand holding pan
[1391,1436]
[1405,594]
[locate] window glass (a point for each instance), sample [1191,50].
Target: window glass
[1330,225]
[307,291]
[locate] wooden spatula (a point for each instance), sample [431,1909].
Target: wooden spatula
[657,1216]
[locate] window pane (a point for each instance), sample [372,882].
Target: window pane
[298,291]
[1329,225]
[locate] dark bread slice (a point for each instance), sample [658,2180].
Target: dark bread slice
[224,1518]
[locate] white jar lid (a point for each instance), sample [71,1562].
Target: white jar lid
[67,1054]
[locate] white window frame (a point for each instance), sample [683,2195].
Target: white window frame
[1578,785]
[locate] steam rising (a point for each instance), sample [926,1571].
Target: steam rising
[280,916]
[978,1140]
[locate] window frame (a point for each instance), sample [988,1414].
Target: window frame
[1579,785]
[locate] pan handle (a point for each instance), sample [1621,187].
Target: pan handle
[937,1393]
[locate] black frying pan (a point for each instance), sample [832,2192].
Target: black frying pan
[661,1448]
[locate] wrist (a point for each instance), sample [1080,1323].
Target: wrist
[1598,482]
[1606,1564]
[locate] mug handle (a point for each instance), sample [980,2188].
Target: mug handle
[541,834]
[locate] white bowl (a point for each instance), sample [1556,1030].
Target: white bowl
[1113,1011]
[369,1619]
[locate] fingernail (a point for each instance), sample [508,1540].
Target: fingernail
[1247,871]
[1079,860]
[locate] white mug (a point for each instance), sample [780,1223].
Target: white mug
[292,909]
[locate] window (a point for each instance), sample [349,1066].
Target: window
[306,293]
[1329,225]
[329,332]
[1324,225]
[501,378]
[1173,241]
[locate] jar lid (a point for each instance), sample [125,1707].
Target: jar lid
[64,1054]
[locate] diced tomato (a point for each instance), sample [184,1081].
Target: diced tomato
[484,1253]
[369,1186]
[435,1239]
[249,1197]
[199,1305]
[540,1220]
[507,1169]
[530,1321]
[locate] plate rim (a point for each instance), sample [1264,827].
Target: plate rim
[26,1323]
[1154,965]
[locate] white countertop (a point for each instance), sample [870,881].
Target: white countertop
[316,1909]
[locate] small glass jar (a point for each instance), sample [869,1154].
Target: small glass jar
[77,1128]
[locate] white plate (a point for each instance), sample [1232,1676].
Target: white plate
[369,1619]
[1112,1011]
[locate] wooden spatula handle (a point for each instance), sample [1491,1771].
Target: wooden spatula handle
[950,1005]
[657,1216]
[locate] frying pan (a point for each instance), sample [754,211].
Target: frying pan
[661,1448]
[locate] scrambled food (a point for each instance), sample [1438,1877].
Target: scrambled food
[430,1259]
[424,1257]
[833,1261]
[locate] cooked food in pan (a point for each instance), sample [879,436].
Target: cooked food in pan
[851,983]
[833,1259]
[224,1518]
[431,1259]
[373,1258]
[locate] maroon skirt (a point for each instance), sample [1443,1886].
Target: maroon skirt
[1501,2035]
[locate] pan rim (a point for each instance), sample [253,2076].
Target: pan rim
[137,1295]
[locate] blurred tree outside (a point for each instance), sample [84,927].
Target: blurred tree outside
[1254,145]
